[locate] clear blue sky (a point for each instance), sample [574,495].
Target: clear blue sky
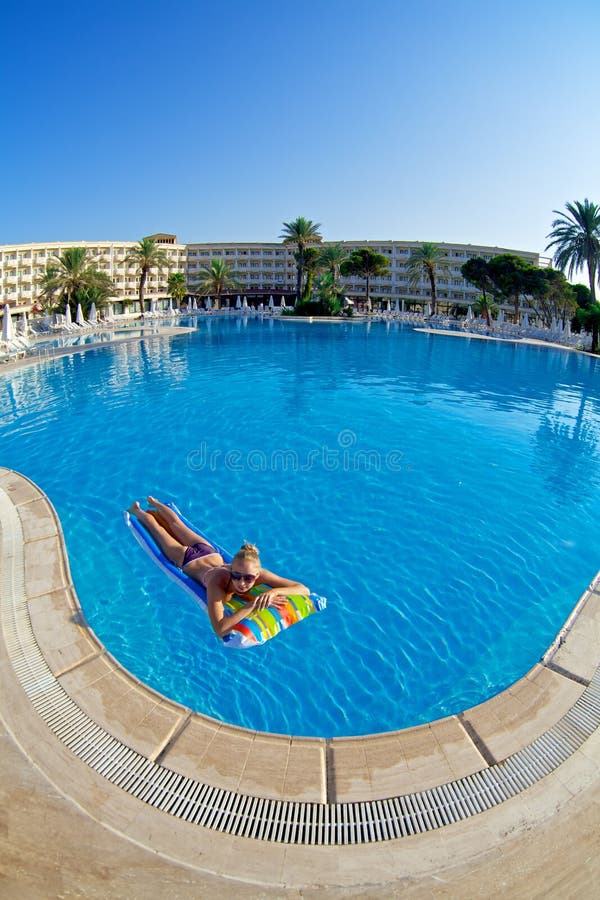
[464,121]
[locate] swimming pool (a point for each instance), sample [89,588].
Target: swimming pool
[441,492]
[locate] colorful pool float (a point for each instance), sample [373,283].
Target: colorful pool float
[258,627]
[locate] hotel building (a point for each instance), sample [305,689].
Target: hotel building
[261,268]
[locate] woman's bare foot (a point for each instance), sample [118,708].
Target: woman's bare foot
[162,508]
[135,509]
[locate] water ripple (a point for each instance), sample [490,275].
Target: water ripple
[447,572]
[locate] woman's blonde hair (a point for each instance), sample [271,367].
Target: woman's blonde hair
[248,551]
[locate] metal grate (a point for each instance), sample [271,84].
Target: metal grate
[289,822]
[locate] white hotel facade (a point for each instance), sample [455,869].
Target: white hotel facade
[262,269]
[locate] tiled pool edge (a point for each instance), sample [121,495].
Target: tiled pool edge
[286,820]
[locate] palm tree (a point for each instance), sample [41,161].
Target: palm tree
[332,258]
[367,264]
[330,294]
[71,274]
[146,255]
[177,287]
[311,265]
[215,278]
[576,237]
[426,260]
[301,232]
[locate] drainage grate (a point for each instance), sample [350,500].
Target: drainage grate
[288,822]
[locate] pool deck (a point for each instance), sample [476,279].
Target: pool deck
[67,827]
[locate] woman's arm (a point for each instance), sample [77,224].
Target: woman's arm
[221,623]
[276,581]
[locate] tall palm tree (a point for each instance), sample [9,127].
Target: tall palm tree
[301,232]
[332,258]
[215,278]
[312,265]
[428,260]
[146,255]
[69,274]
[576,237]
[177,287]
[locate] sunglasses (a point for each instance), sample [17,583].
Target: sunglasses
[243,576]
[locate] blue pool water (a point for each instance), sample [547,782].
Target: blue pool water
[441,492]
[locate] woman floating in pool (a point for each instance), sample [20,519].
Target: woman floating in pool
[202,562]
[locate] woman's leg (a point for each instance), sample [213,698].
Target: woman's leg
[177,528]
[171,547]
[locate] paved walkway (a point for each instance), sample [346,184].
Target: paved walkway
[52,848]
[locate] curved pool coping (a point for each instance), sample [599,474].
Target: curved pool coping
[296,811]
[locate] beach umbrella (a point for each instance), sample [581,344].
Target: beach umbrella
[68,319]
[283,306]
[500,318]
[271,302]
[153,307]
[238,302]
[567,329]
[245,303]
[170,306]
[7,332]
[93,315]
[403,305]
[525,321]
[208,303]
[194,303]
[24,326]
[470,314]
[554,325]
[428,310]
[79,315]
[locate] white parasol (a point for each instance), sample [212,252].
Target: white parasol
[7,332]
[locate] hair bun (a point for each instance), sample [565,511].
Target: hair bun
[248,550]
